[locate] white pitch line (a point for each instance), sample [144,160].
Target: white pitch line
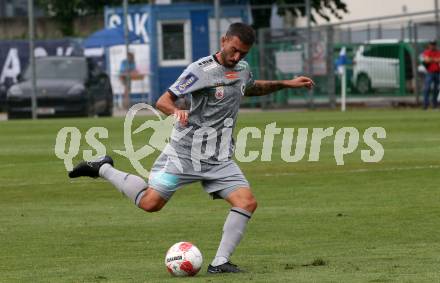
[360,170]
[396,168]
[33,182]
[6,165]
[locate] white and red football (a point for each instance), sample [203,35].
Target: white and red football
[183,259]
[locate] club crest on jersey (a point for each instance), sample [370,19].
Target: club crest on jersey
[219,92]
[187,82]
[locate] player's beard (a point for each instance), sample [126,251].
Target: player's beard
[226,63]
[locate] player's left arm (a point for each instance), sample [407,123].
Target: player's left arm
[266,87]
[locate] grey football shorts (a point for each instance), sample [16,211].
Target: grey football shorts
[219,180]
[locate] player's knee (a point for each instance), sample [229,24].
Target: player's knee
[249,204]
[252,205]
[150,207]
[243,199]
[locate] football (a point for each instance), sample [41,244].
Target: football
[183,259]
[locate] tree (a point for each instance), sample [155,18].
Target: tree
[323,8]
[64,12]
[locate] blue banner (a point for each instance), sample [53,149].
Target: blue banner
[138,19]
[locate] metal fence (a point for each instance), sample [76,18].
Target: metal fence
[382,61]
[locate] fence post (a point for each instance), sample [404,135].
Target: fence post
[343,88]
[368,32]
[309,48]
[263,75]
[349,34]
[270,99]
[402,68]
[379,31]
[414,61]
[402,64]
[331,68]
[437,28]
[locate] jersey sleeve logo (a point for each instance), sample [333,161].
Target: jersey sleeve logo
[187,82]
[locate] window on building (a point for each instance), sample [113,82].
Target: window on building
[174,43]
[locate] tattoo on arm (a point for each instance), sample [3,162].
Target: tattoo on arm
[263,88]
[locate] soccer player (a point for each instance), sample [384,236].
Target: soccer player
[215,85]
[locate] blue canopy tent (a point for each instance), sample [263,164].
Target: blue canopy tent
[109,37]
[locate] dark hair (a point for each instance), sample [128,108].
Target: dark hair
[244,32]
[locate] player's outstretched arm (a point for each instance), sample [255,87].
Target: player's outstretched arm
[166,104]
[267,87]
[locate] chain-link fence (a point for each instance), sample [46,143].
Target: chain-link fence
[381,62]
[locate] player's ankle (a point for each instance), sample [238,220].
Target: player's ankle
[219,260]
[103,169]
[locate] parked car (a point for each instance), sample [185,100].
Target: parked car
[66,86]
[376,65]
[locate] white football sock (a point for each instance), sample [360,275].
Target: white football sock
[132,186]
[233,230]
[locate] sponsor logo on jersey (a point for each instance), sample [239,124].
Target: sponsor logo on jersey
[204,62]
[187,82]
[210,67]
[219,92]
[207,64]
[231,75]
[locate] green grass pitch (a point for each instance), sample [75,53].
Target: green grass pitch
[316,221]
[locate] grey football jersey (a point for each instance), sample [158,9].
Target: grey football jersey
[215,93]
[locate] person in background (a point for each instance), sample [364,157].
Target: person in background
[128,68]
[431,60]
